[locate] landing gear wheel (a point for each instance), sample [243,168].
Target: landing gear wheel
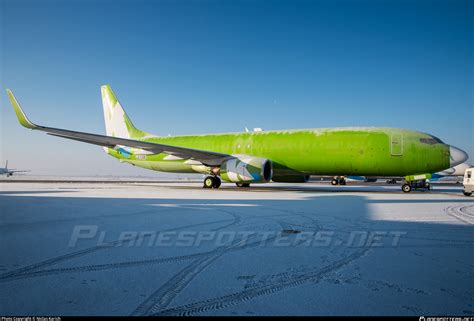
[467,193]
[208,182]
[217,182]
[406,188]
[334,182]
[242,184]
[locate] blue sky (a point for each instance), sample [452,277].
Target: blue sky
[184,67]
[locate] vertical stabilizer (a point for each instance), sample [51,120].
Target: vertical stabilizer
[117,123]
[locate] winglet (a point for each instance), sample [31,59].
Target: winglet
[24,121]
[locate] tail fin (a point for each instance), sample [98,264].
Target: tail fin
[6,164]
[117,123]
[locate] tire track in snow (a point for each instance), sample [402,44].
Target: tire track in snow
[462,213]
[247,295]
[33,269]
[99,267]
[30,269]
[163,297]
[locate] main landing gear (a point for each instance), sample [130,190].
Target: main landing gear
[407,186]
[242,184]
[215,182]
[338,181]
[212,182]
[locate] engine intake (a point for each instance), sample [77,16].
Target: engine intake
[247,169]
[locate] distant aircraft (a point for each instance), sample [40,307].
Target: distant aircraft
[262,156]
[453,172]
[10,172]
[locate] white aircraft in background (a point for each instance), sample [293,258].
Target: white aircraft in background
[453,173]
[10,172]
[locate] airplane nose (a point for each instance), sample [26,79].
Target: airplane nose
[456,156]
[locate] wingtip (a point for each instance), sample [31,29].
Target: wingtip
[20,114]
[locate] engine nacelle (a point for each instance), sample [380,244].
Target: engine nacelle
[290,178]
[247,169]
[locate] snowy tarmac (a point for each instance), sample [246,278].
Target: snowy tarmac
[276,249]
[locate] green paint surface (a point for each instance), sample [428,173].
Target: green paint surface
[333,151]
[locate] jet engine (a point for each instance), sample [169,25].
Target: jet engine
[247,169]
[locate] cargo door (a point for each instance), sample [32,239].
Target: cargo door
[396,145]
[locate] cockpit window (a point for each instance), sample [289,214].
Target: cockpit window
[429,141]
[437,139]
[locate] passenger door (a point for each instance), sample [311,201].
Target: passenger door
[396,145]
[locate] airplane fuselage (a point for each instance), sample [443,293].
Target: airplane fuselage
[368,151]
[4,171]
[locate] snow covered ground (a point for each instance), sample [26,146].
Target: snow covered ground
[174,249]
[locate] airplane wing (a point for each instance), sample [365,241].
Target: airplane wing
[205,157]
[17,171]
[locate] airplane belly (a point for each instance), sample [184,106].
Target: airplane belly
[172,166]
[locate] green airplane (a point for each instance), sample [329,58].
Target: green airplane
[264,156]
